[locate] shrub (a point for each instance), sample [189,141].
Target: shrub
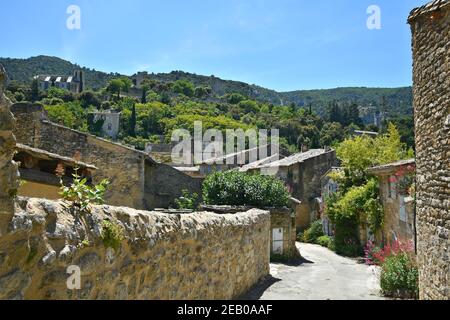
[239,188]
[314,232]
[399,276]
[371,254]
[324,241]
[186,201]
[82,195]
[112,234]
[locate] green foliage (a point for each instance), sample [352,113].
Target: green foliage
[399,276]
[112,234]
[324,241]
[358,204]
[69,114]
[360,153]
[312,234]
[81,195]
[238,188]
[183,87]
[187,200]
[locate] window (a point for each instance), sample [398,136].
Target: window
[109,126]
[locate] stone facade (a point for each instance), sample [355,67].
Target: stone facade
[302,175]
[283,233]
[127,169]
[431,52]
[111,122]
[398,205]
[163,256]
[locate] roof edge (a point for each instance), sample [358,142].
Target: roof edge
[427,8]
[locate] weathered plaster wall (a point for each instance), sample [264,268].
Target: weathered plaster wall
[193,256]
[393,226]
[124,167]
[163,184]
[431,52]
[304,180]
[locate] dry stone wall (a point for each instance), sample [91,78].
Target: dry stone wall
[431,51]
[163,256]
[8,169]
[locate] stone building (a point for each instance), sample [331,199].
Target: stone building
[74,83]
[430,25]
[38,172]
[302,173]
[110,121]
[398,206]
[137,180]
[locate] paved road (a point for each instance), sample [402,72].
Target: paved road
[321,275]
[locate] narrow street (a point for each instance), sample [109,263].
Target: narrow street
[320,275]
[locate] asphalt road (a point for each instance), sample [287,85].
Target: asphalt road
[320,275]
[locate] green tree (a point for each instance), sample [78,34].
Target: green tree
[115,87]
[183,87]
[34,92]
[133,122]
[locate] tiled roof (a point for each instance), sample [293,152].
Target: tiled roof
[429,7]
[392,165]
[296,158]
[257,164]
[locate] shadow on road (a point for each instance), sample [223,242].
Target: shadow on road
[293,262]
[258,290]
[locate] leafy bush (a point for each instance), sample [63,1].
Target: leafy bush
[324,241]
[238,188]
[314,232]
[112,234]
[399,276]
[82,195]
[186,201]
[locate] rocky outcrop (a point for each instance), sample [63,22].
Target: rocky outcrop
[8,169]
[198,255]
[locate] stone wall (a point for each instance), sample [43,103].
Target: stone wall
[8,169]
[125,167]
[284,219]
[163,256]
[431,52]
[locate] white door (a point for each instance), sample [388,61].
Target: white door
[277,240]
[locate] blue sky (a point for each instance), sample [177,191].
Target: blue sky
[282,45]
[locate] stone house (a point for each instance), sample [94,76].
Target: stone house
[74,83]
[302,173]
[110,122]
[395,179]
[430,27]
[38,168]
[137,180]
